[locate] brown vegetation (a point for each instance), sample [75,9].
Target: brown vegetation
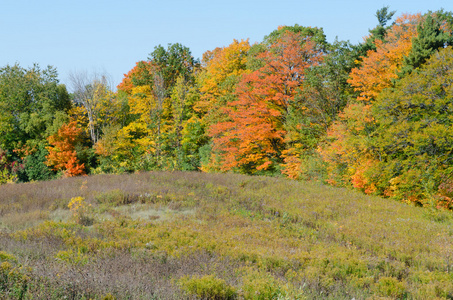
[178,235]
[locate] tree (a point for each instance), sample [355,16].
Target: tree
[137,76]
[348,150]
[380,67]
[32,105]
[254,137]
[361,144]
[383,16]
[434,32]
[323,95]
[217,82]
[35,167]
[156,92]
[125,149]
[414,134]
[93,94]
[62,155]
[172,63]
[184,131]
[7,172]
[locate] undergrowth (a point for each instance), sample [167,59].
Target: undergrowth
[188,235]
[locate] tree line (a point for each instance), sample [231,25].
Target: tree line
[376,116]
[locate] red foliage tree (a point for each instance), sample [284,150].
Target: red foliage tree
[254,137]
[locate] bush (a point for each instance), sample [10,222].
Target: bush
[13,281]
[390,286]
[35,167]
[207,287]
[80,211]
[114,197]
[4,256]
[260,286]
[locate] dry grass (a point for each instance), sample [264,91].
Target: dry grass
[180,235]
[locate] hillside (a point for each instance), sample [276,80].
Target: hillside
[177,235]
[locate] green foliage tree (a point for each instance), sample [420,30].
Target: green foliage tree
[171,63]
[172,73]
[160,95]
[32,105]
[185,133]
[35,167]
[314,33]
[414,138]
[434,32]
[383,16]
[324,94]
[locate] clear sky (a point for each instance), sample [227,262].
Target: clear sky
[110,36]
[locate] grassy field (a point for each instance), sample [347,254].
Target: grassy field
[179,235]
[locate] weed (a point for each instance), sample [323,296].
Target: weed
[80,211]
[207,287]
[165,235]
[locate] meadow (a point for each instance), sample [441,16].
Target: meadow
[192,235]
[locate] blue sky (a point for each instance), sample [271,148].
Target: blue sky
[110,36]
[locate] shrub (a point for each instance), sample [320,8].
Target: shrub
[114,197]
[4,256]
[80,211]
[207,287]
[35,167]
[72,257]
[390,286]
[260,286]
[13,281]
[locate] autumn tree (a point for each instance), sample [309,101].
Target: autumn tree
[414,134]
[137,76]
[217,82]
[93,96]
[434,32]
[354,149]
[62,155]
[255,138]
[7,174]
[380,67]
[158,104]
[222,71]
[349,152]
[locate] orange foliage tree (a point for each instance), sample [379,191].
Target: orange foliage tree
[379,68]
[138,75]
[62,155]
[254,137]
[223,68]
[350,152]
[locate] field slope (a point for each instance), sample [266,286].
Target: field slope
[179,235]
